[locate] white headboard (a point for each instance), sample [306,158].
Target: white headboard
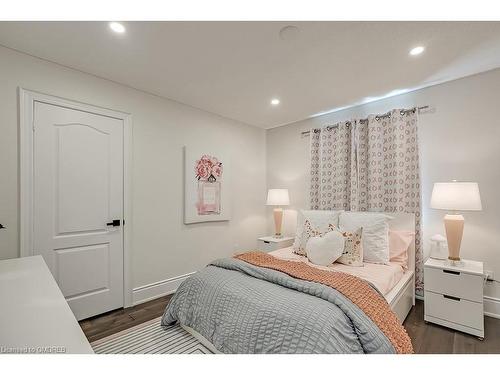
[404,221]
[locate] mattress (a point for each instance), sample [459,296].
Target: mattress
[383,276]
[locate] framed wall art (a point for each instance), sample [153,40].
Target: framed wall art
[207,195]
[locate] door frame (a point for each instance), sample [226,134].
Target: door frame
[27,99]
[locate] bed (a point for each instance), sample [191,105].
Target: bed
[248,314]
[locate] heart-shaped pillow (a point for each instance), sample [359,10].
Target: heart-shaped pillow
[326,249]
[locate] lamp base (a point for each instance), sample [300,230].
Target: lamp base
[454,225]
[454,263]
[278,219]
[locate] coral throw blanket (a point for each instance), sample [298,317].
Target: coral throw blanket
[354,288]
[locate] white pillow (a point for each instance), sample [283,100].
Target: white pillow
[326,249]
[375,233]
[319,219]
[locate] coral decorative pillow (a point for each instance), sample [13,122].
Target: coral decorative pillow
[325,249]
[399,242]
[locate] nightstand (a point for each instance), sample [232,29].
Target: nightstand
[454,295]
[271,243]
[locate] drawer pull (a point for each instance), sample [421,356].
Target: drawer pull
[451,297]
[452,272]
[267,242]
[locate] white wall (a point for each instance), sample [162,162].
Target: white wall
[163,247]
[461,140]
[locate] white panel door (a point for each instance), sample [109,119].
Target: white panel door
[78,192]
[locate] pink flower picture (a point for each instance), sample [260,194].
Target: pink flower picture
[207,176]
[208,168]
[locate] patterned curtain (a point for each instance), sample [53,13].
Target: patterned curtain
[370,165]
[330,167]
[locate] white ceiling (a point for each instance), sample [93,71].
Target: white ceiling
[235,68]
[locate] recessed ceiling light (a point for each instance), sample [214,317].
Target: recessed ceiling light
[289,33]
[117,27]
[417,50]
[275,101]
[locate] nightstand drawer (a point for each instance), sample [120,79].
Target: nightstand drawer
[268,246]
[454,310]
[454,283]
[272,243]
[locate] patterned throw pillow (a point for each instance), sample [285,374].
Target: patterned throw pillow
[353,245]
[353,248]
[308,232]
[375,233]
[319,220]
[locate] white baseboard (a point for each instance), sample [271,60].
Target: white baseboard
[158,289]
[492,307]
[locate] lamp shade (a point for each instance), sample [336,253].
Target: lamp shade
[456,196]
[278,197]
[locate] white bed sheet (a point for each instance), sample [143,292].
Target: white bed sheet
[383,276]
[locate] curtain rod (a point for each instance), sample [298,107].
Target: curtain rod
[420,109]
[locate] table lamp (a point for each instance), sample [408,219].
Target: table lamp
[278,197]
[455,196]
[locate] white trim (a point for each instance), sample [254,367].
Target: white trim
[492,307]
[127,210]
[27,99]
[158,289]
[26,110]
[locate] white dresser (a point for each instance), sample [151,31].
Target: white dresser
[34,316]
[454,295]
[271,243]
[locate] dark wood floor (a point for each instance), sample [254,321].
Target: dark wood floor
[427,338]
[100,326]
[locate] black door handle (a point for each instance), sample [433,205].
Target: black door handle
[114,223]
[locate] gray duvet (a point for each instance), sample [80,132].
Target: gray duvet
[242,308]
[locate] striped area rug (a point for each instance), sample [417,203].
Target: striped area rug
[150,338]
